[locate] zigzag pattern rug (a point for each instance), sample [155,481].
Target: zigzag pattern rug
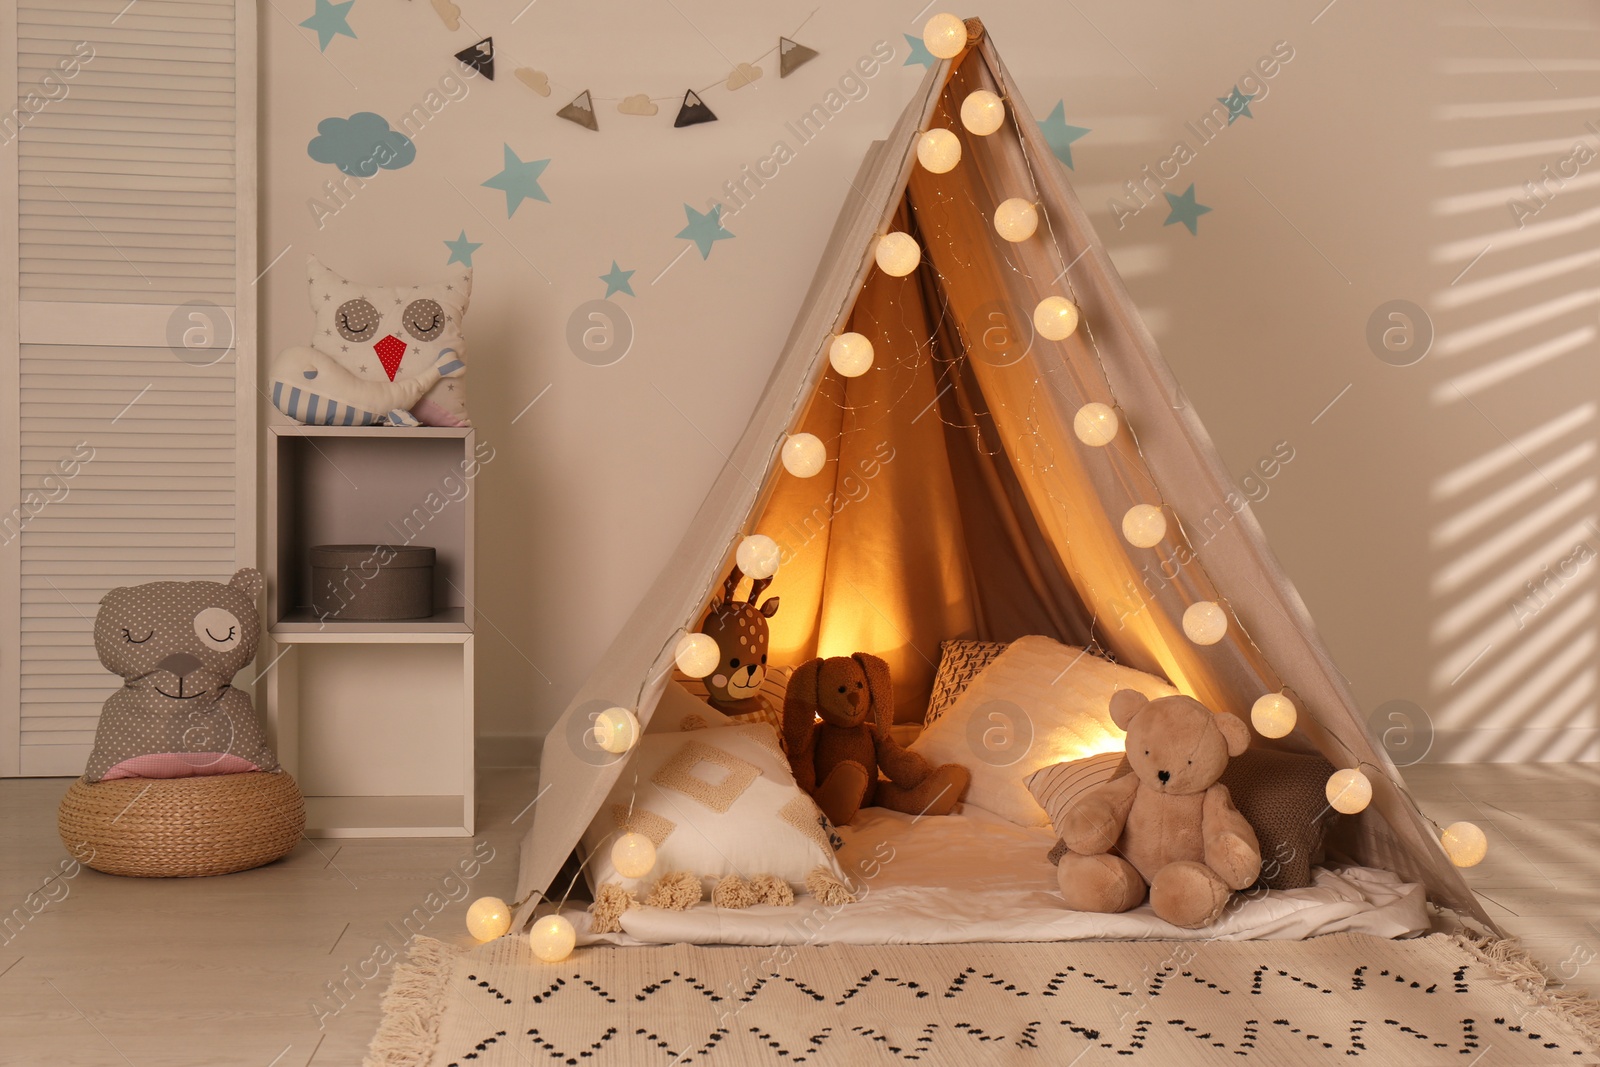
[1334,999]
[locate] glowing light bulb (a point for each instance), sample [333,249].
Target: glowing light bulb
[758,556]
[633,855]
[898,253]
[1349,791]
[697,654]
[552,938]
[1204,622]
[1464,843]
[1055,317]
[944,36]
[1144,526]
[1016,219]
[488,918]
[1273,715]
[939,150]
[804,454]
[616,730]
[1095,424]
[982,112]
[850,354]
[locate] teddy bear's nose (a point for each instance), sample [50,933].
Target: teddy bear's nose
[180,664]
[1164,776]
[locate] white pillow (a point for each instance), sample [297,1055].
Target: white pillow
[1039,702]
[679,711]
[715,802]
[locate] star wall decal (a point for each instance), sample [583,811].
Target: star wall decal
[330,20]
[518,180]
[704,230]
[919,52]
[461,250]
[1237,104]
[1185,210]
[617,280]
[1059,135]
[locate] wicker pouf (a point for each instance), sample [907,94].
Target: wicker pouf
[182,827]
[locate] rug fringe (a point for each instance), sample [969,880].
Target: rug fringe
[413,1007]
[1506,958]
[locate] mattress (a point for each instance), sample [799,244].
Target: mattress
[975,877]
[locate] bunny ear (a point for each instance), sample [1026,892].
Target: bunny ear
[800,704]
[878,684]
[1125,704]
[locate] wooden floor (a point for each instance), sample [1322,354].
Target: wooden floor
[283,966]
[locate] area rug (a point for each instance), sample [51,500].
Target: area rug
[1334,999]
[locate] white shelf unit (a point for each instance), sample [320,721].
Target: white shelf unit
[374,719]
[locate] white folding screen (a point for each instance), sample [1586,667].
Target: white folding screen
[127,371]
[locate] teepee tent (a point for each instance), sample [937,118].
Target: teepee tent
[957,498]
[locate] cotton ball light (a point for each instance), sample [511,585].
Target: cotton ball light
[944,35]
[1464,843]
[1016,219]
[982,112]
[758,556]
[1204,622]
[1144,525]
[1273,715]
[633,855]
[1055,317]
[616,730]
[939,150]
[851,355]
[488,918]
[697,654]
[1349,791]
[552,938]
[898,253]
[1095,424]
[804,454]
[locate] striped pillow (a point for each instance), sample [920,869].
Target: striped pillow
[1055,787]
[771,695]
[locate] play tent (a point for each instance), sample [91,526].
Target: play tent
[958,501]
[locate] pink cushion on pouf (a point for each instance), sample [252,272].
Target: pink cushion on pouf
[180,765]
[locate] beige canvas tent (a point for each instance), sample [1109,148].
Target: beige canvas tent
[957,500]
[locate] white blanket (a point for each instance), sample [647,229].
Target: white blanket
[977,877]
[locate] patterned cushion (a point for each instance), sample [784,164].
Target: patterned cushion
[1055,787]
[959,663]
[1282,795]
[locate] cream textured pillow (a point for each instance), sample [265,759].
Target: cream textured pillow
[714,802]
[1040,702]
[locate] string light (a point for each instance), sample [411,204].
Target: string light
[1095,424]
[1349,791]
[758,556]
[982,112]
[897,253]
[1016,219]
[552,938]
[1273,715]
[488,918]
[616,730]
[1055,317]
[1464,843]
[944,36]
[1144,526]
[851,355]
[1204,622]
[804,454]
[697,654]
[939,151]
[633,855]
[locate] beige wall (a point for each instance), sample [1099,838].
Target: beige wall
[1377,165]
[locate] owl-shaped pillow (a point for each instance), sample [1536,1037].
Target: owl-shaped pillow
[378,354]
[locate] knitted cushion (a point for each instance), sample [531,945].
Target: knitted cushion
[959,663]
[1282,795]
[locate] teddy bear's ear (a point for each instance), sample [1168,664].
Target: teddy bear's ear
[1234,731]
[1125,704]
[248,581]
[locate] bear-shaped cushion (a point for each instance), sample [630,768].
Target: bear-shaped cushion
[391,354]
[178,646]
[1170,827]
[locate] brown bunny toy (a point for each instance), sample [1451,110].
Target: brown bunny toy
[836,720]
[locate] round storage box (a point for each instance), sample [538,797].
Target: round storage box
[182,827]
[372,583]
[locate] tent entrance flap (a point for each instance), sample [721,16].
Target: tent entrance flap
[958,499]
